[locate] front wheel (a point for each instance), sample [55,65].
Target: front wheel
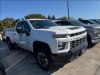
[43,59]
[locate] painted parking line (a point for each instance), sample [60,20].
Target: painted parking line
[15,58]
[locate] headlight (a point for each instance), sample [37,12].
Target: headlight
[61,45]
[96,31]
[59,36]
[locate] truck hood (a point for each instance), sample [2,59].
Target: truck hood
[65,29]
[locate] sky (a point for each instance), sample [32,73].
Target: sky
[86,9]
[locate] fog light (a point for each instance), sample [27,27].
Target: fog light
[96,34]
[61,45]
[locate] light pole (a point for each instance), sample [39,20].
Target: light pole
[68,8]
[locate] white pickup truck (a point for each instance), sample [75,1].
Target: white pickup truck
[46,39]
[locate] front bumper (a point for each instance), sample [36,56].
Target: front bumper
[72,54]
[79,48]
[75,50]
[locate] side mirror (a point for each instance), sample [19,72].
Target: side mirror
[19,29]
[27,33]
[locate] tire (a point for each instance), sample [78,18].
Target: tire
[10,45]
[43,59]
[3,40]
[2,71]
[90,44]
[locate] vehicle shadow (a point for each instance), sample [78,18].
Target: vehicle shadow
[29,66]
[92,46]
[59,62]
[2,68]
[3,46]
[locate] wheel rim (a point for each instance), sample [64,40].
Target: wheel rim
[43,61]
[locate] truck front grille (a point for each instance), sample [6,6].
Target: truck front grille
[75,34]
[76,43]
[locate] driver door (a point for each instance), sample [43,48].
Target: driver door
[19,34]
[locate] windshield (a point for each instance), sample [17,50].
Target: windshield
[85,21]
[42,24]
[77,23]
[96,21]
[93,22]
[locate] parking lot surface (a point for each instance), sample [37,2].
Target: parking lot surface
[22,62]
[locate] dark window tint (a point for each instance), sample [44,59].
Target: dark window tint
[93,22]
[64,23]
[86,22]
[77,23]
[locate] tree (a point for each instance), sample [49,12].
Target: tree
[53,17]
[8,22]
[49,17]
[80,19]
[63,18]
[1,25]
[66,18]
[17,20]
[35,16]
[71,18]
[0,22]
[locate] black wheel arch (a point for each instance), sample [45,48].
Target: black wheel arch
[89,40]
[7,38]
[39,44]
[89,37]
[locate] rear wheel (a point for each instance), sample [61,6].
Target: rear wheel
[2,71]
[10,45]
[43,59]
[3,38]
